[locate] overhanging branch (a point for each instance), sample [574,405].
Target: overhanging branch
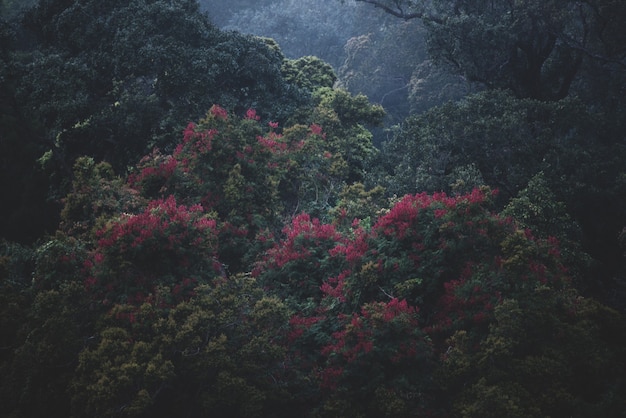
[398,11]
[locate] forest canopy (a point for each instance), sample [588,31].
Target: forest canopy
[312,208]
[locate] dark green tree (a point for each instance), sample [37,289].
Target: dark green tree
[52,320]
[537,208]
[490,137]
[535,48]
[309,73]
[123,76]
[216,353]
[542,356]
[111,81]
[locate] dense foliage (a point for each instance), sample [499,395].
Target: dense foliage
[537,49]
[113,80]
[200,226]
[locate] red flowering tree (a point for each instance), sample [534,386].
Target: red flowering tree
[452,257]
[379,360]
[375,305]
[296,267]
[251,174]
[166,245]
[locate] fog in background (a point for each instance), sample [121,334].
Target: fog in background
[373,53]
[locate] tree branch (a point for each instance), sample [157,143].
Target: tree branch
[399,11]
[386,294]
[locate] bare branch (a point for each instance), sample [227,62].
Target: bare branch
[398,11]
[386,294]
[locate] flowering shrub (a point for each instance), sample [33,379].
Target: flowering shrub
[295,267]
[167,244]
[250,175]
[251,114]
[357,291]
[387,328]
[218,113]
[427,249]
[379,348]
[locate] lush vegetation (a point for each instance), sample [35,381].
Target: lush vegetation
[198,224]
